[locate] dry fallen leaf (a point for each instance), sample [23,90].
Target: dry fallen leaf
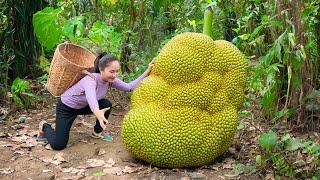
[46,159]
[96,162]
[59,157]
[3,112]
[74,176]
[48,147]
[101,152]
[73,170]
[227,163]
[109,163]
[17,127]
[18,152]
[230,175]
[269,176]
[185,178]
[29,143]
[128,169]
[6,171]
[82,167]
[3,135]
[111,170]
[196,175]
[13,158]
[216,166]
[118,173]
[32,133]
[22,138]
[56,160]
[86,124]
[23,131]
[6,144]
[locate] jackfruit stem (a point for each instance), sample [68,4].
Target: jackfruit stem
[207,21]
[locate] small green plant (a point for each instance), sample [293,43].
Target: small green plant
[99,174]
[20,90]
[288,156]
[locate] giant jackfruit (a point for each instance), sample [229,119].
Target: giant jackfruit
[185,113]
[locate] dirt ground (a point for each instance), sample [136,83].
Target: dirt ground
[87,158]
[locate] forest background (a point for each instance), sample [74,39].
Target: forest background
[279,38]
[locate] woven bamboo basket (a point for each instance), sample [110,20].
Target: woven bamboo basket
[69,60]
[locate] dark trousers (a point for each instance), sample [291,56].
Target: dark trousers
[65,115]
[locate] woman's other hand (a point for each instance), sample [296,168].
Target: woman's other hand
[99,113]
[150,66]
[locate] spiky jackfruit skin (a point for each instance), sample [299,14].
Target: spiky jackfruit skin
[185,113]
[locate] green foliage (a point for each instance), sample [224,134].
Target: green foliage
[106,37]
[20,90]
[3,18]
[131,31]
[97,37]
[288,156]
[5,53]
[99,174]
[46,28]
[44,64]
[74,28]
[281,61]
[42,79]
[268,140]
[240,168]
[18,47]
[4,69]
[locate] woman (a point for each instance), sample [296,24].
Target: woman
[87,97]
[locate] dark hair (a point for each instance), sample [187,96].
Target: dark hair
[102,61]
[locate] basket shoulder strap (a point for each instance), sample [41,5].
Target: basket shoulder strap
[90,75]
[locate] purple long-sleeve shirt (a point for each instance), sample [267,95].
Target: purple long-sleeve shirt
[89,90]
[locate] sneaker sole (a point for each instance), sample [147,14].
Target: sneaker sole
[105,138]
[108,138]
[96,137]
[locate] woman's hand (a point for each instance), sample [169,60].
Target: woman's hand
[99,113]
[150,66]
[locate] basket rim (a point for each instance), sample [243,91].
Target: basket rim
[67,43]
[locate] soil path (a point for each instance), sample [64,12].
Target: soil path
[84,158]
